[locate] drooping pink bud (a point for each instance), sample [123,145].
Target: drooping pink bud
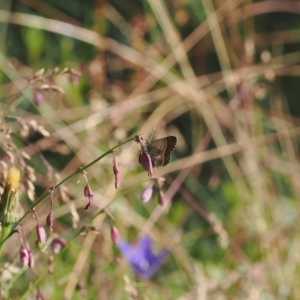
[161,198]
[74,79]
[24,256]
[50,259]
[87,191]
[31,260]
[147,193]
[39,295]
[115,235]
[145,161]
[41,234]
[80,287]
[50,220]
[89,194]
[51,269]
[39,98]
[58,244]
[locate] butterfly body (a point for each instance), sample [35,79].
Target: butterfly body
[159,150]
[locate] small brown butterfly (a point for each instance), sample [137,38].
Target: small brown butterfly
[159,150]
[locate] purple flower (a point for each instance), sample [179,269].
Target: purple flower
[143,261]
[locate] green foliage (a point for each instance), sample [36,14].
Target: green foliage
[221,77]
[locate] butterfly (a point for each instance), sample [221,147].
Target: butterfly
[159,150]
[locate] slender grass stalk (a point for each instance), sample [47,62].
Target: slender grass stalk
[34,284]
[8,208]
[9,205]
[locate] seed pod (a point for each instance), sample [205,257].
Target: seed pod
[88,193]
[145,161]
[116,170]
[24,256]
[39,98]
[31,260]
[147,194]
[41,234]
[51,269]
[39,295]
[117,175]
[115,235]
[58,244]
[50,220]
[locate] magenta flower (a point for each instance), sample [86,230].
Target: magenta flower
[143,261]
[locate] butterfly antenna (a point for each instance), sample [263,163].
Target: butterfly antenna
[152,133]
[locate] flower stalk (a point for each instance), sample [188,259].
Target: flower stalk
[116,170]
[2,240]
[9,205]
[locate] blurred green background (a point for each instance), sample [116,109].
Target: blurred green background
[222,76]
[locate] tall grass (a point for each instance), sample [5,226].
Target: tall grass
[220,76]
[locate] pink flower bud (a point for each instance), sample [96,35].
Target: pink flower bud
[41,234]
[58,244]
[24,256]
[50,259]
[147,194]
[161,198]
[51,270]
[115,235]
[145,161]
[50,220]
[39,295]
[31,260]
[74,79]
[39,98]
[89,194]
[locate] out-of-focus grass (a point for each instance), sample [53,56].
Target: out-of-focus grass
[223,78]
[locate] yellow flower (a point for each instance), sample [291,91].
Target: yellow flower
[13,179]
[9,205]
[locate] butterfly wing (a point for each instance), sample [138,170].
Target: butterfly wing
[160,150]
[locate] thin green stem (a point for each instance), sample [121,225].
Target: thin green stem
[5,232]
[39,279]
[59,184]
